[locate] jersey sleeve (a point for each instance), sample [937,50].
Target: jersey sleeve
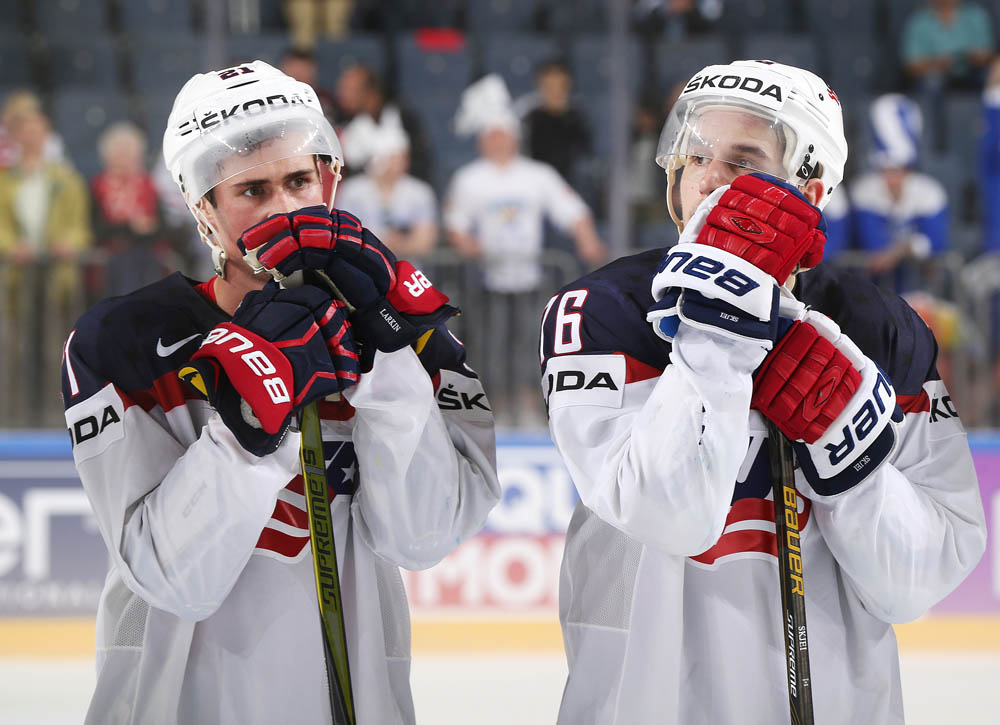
[653,436]
[908,536]
[180,512]
[426,449]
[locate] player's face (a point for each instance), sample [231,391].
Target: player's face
[251,197]
[735,144]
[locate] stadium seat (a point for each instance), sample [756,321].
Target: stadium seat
[491,16]
[80,115]
[267,47]
[590,62]
[571,18]
[770,16]
[597,111]
[78,16]
[421,70]
[15,60]
[679,61]
[963,113]
[792,49]
[436,111]
[154,109]
[516,57]
[657,234]
[858,67]
[89,61]
[163,62]
[840,20]
[333,56]
[146,15]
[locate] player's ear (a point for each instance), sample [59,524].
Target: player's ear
[814,191]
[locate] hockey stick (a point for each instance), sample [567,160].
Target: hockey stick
[324,551]
[324,546]
[790,574]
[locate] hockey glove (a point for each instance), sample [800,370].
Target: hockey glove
[282,350]
[767,222]
[742,242]
[833,402]
[394,302]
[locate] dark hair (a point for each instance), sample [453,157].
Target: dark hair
[294,53]
[557,65]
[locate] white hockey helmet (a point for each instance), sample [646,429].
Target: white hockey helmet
[228,121]
[800,108]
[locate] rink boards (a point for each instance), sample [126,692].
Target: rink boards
[497,592]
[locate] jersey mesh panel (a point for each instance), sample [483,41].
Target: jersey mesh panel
[395,614]
[132,624]
[608,561]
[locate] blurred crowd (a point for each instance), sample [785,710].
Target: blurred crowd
[477,143]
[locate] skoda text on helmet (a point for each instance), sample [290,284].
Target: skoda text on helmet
[797,106]
[226,122]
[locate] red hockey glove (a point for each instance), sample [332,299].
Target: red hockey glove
[804,383]
[282,350]
[768,223]
[395,303]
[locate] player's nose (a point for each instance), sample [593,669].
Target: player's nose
[717,173]
[283,201]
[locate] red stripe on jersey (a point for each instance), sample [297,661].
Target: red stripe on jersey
[756,540]
[168,392]
[281,543]
[341,410]
[297,485]
[291,515]
[914,403]
[738,542]
[637,371]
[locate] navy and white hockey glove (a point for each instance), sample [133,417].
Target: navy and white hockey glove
[282,350]
[834,403]
[742,242]
[395,304]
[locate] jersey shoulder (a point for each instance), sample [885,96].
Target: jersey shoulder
[135,339]
[605,312]
[883,325]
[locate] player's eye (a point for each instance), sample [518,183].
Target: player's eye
[696,160]
[254,191]
[299,182]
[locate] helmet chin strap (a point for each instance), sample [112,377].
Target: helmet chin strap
[674,170]
[208,235]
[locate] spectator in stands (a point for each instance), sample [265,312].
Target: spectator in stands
[308,18]
[900,214]
[555,132]
[493,215]
[127,217]
[44,208]
[948,44]
[360,91]
[300,64]
[396,207]
[44,228]
[990,161]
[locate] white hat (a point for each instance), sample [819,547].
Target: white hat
[486,105]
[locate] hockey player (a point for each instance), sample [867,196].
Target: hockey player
[658,377]
[209,611]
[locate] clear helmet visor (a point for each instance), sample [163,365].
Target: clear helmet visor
[739,135]
[246,141]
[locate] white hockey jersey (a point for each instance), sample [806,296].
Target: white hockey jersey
[209,611]
[669,595]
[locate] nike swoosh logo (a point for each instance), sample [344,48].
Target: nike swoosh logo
[167,351]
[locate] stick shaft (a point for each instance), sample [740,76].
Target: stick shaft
[324,551]
[790,573]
